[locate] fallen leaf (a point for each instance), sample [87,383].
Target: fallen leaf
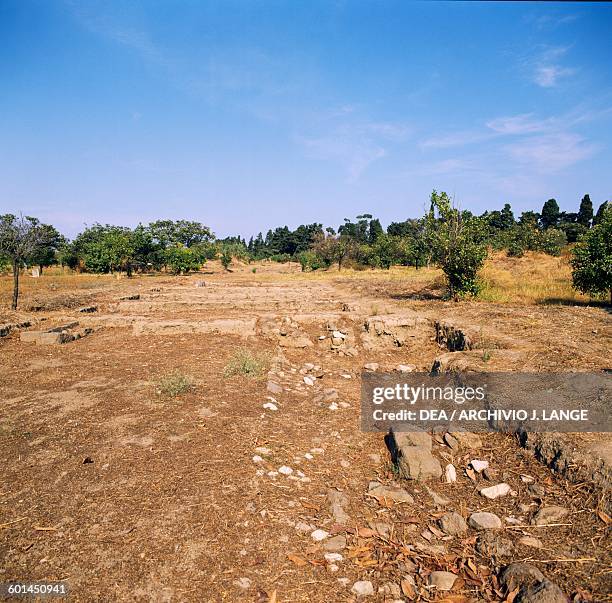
[366,532]
[604,517]
[408,589]
[511,596]
[297,560]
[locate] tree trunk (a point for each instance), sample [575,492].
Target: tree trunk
[15,284]
[40,268]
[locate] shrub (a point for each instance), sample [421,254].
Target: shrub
[226,258]
[592,261]
[551,241]
[247,363]
[174,384]
[182,259]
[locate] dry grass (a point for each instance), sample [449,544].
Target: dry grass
[247,363]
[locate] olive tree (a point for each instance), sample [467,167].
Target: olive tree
[20,237]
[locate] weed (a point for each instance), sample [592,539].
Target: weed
[247,363]
[174,384]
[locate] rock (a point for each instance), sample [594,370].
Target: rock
[394,493]
[390,589]
[479,466]
[371,366]
[338,335]
[453,524]
[450,474]
[542,592]
[270,406]
[274,388]
[257,459]
[243,583]
[309,380]
[547,515]
[440,501]
[417,462]
[490,544]
[411,438]
[451,441]
[330,394]
[536,490]
[406,368]
[363,588]
[333,557]
[337,500]
[493,492]
[516,575]
[319,535]
[485,521]
[467,440]
[284,470]
[442,580]
[335,544]
[531,541]
[302,526]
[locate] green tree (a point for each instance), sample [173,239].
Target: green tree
[226,258]
[458,244]
[592,258]
[550,214]
[46,249]
[585,213]
[19,238]
[600,212]
[182,259]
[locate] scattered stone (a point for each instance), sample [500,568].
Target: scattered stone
[284,470]
[493,492]
[309,380]
[363,588]
[390,589]
[531,541]
[439,501]
[468,440]
[274,388]
[542,592]
[257,459]
[130,297]
[394,493]
[411,438]
[453,524]
[200,284]
[344,581]
[319,535]
[333,557]
[450,473]
[333,406]
[485,521]
[547,515]
[406,368]
[302,526]
[243,583]
[479,466]
[270,406]
[516,575]
[527,479]
[451,441]
[330,394]
[442,580]
[337,500]
[371,366]
[335,544]
[536,490]
[263,450]
[338,335]
[88,309]
[417,462]
[308,456]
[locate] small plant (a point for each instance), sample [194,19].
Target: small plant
[174,384]
[486,355]
[226,259]
[247,363]
[254,270]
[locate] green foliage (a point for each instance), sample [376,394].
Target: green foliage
[174,384]
[601,212]
[457,240]
[550,214]
[180,232]
[592,258]
[181,259]
[105,248]
[309,260]
[246,363]
[551,241]
[585,213]
[226,258]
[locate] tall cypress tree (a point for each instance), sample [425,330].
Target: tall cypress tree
[585,213]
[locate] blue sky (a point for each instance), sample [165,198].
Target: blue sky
[249,115]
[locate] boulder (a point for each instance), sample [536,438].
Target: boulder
[548,515]
[516,575]
[417,462]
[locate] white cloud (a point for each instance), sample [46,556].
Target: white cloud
[548,76]
[518,124]
[545,66]
[550,152]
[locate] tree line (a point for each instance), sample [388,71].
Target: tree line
[456,240]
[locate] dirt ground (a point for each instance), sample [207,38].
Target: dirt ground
[132,495]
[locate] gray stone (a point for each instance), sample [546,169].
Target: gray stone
[335,544]
[485,521]
[363,588]
[467,439]
[412,438]
[542,592]
[337,500]
[530,541]
[371,366]
[451,441]
[417,462]
[442,580]
[517,575]
[547,515]
[453,524]
[394,493]
[274,388]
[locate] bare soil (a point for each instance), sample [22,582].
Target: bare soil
[133,496]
